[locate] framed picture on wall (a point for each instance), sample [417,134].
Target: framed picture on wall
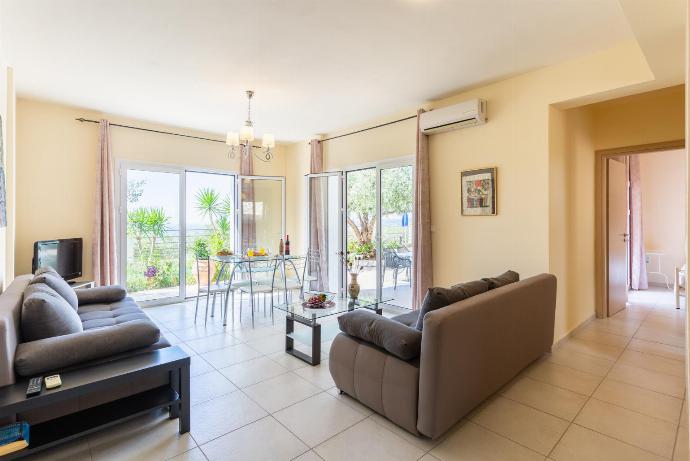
[478,192]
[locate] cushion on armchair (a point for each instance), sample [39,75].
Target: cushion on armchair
[46,314]
[57,283]
[101,295]
[398,339]
[437,297]
[53,354]
[505,278]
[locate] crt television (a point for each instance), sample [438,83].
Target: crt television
[63,255]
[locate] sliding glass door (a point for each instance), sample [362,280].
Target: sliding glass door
[152,233]
[166,213]
[374,215]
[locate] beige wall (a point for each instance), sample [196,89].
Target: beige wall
[664,209]
[515,140]
[57,159]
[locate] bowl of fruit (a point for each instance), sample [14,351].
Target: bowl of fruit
[318,300]
[224,252]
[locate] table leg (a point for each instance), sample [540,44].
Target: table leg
[289,328]
[175,385]
[184,399]
[316,344]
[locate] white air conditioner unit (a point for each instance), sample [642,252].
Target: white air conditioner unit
[463,115]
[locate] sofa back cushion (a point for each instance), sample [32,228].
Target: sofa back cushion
[57,283]
[46,314]
[398,339]
[10,315]
[437,297]
[504,279]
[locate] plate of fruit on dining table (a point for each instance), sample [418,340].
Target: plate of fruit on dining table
[318,300]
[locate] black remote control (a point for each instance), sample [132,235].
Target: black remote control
[35,386]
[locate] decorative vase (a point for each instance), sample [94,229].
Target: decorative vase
[353,287]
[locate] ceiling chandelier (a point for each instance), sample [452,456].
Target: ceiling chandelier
[242,141]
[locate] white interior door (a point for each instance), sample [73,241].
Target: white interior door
[617,195]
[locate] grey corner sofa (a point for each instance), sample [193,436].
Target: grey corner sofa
[112,326]
[466,352]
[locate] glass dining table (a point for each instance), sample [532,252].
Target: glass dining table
[250,267]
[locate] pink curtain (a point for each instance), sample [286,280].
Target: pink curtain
[104,253]
[317,227]
[247,191]
[638,269]
[422,275]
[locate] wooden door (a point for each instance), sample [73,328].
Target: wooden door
[617,194]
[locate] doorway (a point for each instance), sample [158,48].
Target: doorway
[643,231]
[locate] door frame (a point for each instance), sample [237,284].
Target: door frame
[601,247]
[238,205]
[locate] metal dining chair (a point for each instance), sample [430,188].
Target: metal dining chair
[211,287]
[262,280]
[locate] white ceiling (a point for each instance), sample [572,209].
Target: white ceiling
[316,65]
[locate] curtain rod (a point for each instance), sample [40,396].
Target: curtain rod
[201,138]
[367,129]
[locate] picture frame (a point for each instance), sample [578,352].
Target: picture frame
[478,192]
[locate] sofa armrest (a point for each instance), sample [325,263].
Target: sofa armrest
[101,295]
[58,352]
[396,338]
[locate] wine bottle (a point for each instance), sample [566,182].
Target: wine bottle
[287,245]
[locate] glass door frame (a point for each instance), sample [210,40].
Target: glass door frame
[342,224]
[397,162]
[121,194]
[238,205]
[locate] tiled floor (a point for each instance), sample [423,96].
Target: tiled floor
[615,391]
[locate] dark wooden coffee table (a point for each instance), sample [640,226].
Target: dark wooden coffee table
[100,379]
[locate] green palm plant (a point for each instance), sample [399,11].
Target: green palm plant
[209,204]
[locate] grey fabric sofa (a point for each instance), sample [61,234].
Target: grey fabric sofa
[469,350]
[111,330]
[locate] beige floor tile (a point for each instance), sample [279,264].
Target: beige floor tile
[318,418]
[680,452]
[592,348]
[653,362]
[288,361]
[546,397]
[192,455]
[268,345]
[281,391]
[615,326]
[684,414]
[197,331]
[582,444]
[650,434]
[199,366]
[583,362]
[308,456]
[603,337]
[419,441]
[244,374]
[565,377]
[211,343]
[656,335]
[208,386]
[529,427]
[638,399]
[428,457]
[247,333]
[225,357]
[663,350]
[261,440]
[221,415]
[474,443]
[367,441]
[153,438]
[351,402]
[652,380]
[319,375]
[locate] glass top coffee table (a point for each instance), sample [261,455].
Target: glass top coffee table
[296,312]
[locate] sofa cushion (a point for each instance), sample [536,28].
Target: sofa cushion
[46,270]
[46,314]
[400,340]
[58,284]
[108,315]
[409,319]
[505,278]
[437,297]
[53,354]
[104,295]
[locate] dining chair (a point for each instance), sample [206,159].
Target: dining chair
[391,260]
[313,267]
[211,287]
[262,280]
